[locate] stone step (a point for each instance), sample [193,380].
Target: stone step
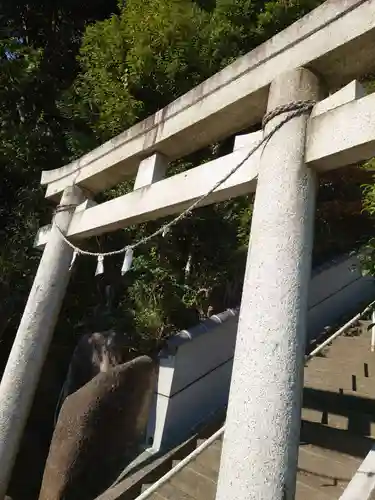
[337,441]
[350,385]
[320,483]
[363,370]
[342,344]
[347,355]
[327,367]
[210,458]
[358,423]
[156,496]
[347,362]
[330,454]
[341,393]
[335,402]
[364,337]
[169,492]
[359,331]
[145,486]
[307,492]
[201,468]
[365,373]
[347,350]
[323,471]
[316,472]
[361,341]
[217,443]
[196,484]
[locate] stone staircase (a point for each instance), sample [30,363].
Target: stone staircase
[337,430]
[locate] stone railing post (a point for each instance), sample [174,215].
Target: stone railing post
[260,450]
[34,334]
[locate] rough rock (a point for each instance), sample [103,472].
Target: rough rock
[99,431]
[96,352]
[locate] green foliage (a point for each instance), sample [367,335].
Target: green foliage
[38,47]
[156,50]
[138,61]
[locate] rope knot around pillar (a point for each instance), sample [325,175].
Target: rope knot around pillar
[298,107]
[65,208]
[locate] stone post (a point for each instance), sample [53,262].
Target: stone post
[260,449]
[33,337]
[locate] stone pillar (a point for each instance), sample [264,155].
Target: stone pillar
[260,449]
[33,337]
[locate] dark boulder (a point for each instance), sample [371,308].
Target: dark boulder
[99,431]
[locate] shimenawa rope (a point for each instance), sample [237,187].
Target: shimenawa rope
[293,109]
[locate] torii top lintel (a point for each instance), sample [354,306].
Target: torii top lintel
[335,40]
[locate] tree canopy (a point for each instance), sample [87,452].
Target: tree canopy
[139,60]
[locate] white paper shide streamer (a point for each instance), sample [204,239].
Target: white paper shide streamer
[100,265]
[74,256]
[128,259]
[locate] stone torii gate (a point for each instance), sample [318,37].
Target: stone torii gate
[310,60]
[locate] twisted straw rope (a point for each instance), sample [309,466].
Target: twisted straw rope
[293,109]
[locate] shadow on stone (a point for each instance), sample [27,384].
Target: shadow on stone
[99,431]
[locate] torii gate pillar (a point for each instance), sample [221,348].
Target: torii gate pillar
[34,334]
[260,449]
